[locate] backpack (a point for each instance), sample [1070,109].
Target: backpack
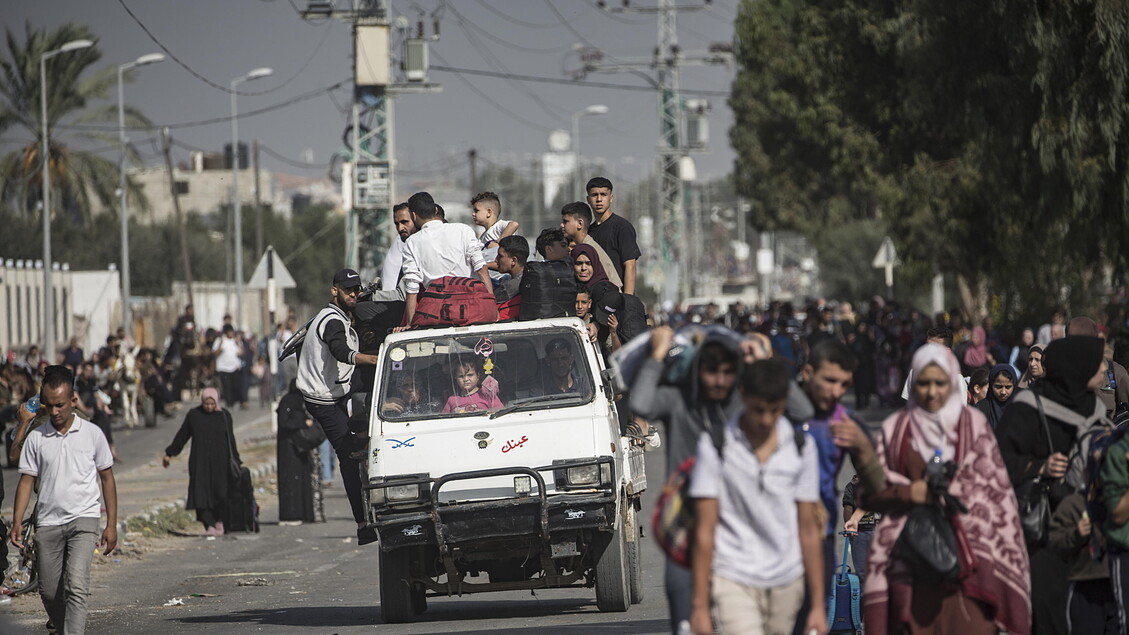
[632,319]
[510,309]
[1100,441]
[455,301]
[673,521]
[548,289]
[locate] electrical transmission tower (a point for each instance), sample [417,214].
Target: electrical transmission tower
[673,145]
[368,177]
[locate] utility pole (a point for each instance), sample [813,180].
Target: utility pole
[166,143]
[667,61]
[258,204]
[472,157]
[389,59]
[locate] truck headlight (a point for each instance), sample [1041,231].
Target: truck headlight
[401,493]
[584,475]
[523,485]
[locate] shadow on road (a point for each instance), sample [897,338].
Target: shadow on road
[443,616]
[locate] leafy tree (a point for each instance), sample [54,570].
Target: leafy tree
[76,175]
[984,134]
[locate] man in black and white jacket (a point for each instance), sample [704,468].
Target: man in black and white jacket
[329,354]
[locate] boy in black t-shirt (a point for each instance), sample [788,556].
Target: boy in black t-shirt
[614,233]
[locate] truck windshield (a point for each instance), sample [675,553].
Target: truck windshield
[467,375]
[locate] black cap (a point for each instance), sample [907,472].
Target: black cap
[347,278]
[606,301]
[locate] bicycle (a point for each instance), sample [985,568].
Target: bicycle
[22,574]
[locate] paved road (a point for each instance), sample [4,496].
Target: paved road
[312,578]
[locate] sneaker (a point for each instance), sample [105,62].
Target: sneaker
[219,528]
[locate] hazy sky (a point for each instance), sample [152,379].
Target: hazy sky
[223,39]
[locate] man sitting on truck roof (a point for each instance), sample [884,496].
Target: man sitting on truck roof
[513,251]
[437,250]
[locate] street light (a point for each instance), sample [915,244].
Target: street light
[127,314]
[255,74]
[594,109]
[48,290]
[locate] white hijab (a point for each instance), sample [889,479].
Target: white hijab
[933,430]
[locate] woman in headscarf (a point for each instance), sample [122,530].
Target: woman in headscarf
[1018,356]
[1001,389]
[991,590]
[976,355]
[1074,366]
[1035,370]
[299,488]
[587,266]
[211,462]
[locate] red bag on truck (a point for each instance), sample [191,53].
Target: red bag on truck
[455,301]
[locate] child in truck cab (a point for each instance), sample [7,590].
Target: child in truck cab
[408,400]
[472,394]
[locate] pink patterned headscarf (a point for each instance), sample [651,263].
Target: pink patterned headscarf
[994,568]
[209,392]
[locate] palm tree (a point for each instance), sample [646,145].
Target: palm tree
[77,175]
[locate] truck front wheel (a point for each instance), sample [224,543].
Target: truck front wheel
[397,604]
[612,592]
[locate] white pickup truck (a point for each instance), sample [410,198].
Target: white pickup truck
[496,462]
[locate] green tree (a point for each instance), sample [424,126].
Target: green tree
[983,134]
[77,175]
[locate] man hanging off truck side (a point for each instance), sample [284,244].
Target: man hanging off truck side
[324,369]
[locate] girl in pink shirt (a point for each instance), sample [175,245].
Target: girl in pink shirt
[473,394]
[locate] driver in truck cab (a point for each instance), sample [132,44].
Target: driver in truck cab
[559,374]
[329,354]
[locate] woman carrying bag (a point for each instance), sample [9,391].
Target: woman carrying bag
[214,462]
[987,587]
[299,488]
[1039,436]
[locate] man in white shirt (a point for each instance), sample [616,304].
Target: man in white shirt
[72,460]
[437,250]
[394,259]
[229,361]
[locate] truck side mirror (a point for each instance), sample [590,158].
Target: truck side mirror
[613,382]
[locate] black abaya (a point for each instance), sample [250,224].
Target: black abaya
[209,463]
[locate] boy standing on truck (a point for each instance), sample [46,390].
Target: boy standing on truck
[325,366]
[752,567]
[487,212]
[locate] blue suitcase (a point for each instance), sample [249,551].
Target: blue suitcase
[844,606]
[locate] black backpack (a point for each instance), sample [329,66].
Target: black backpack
[548,289]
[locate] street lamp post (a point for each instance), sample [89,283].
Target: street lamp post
[235,199]
[595,109]
[127,314]
[48,290]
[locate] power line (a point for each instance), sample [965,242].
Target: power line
[513,20]
[569,82]
[517,47]
[288,161]
[207,81]
[207,122]
[498,66]
[568,25]
[478,91]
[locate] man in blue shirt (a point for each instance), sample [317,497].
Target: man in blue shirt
[825,376]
